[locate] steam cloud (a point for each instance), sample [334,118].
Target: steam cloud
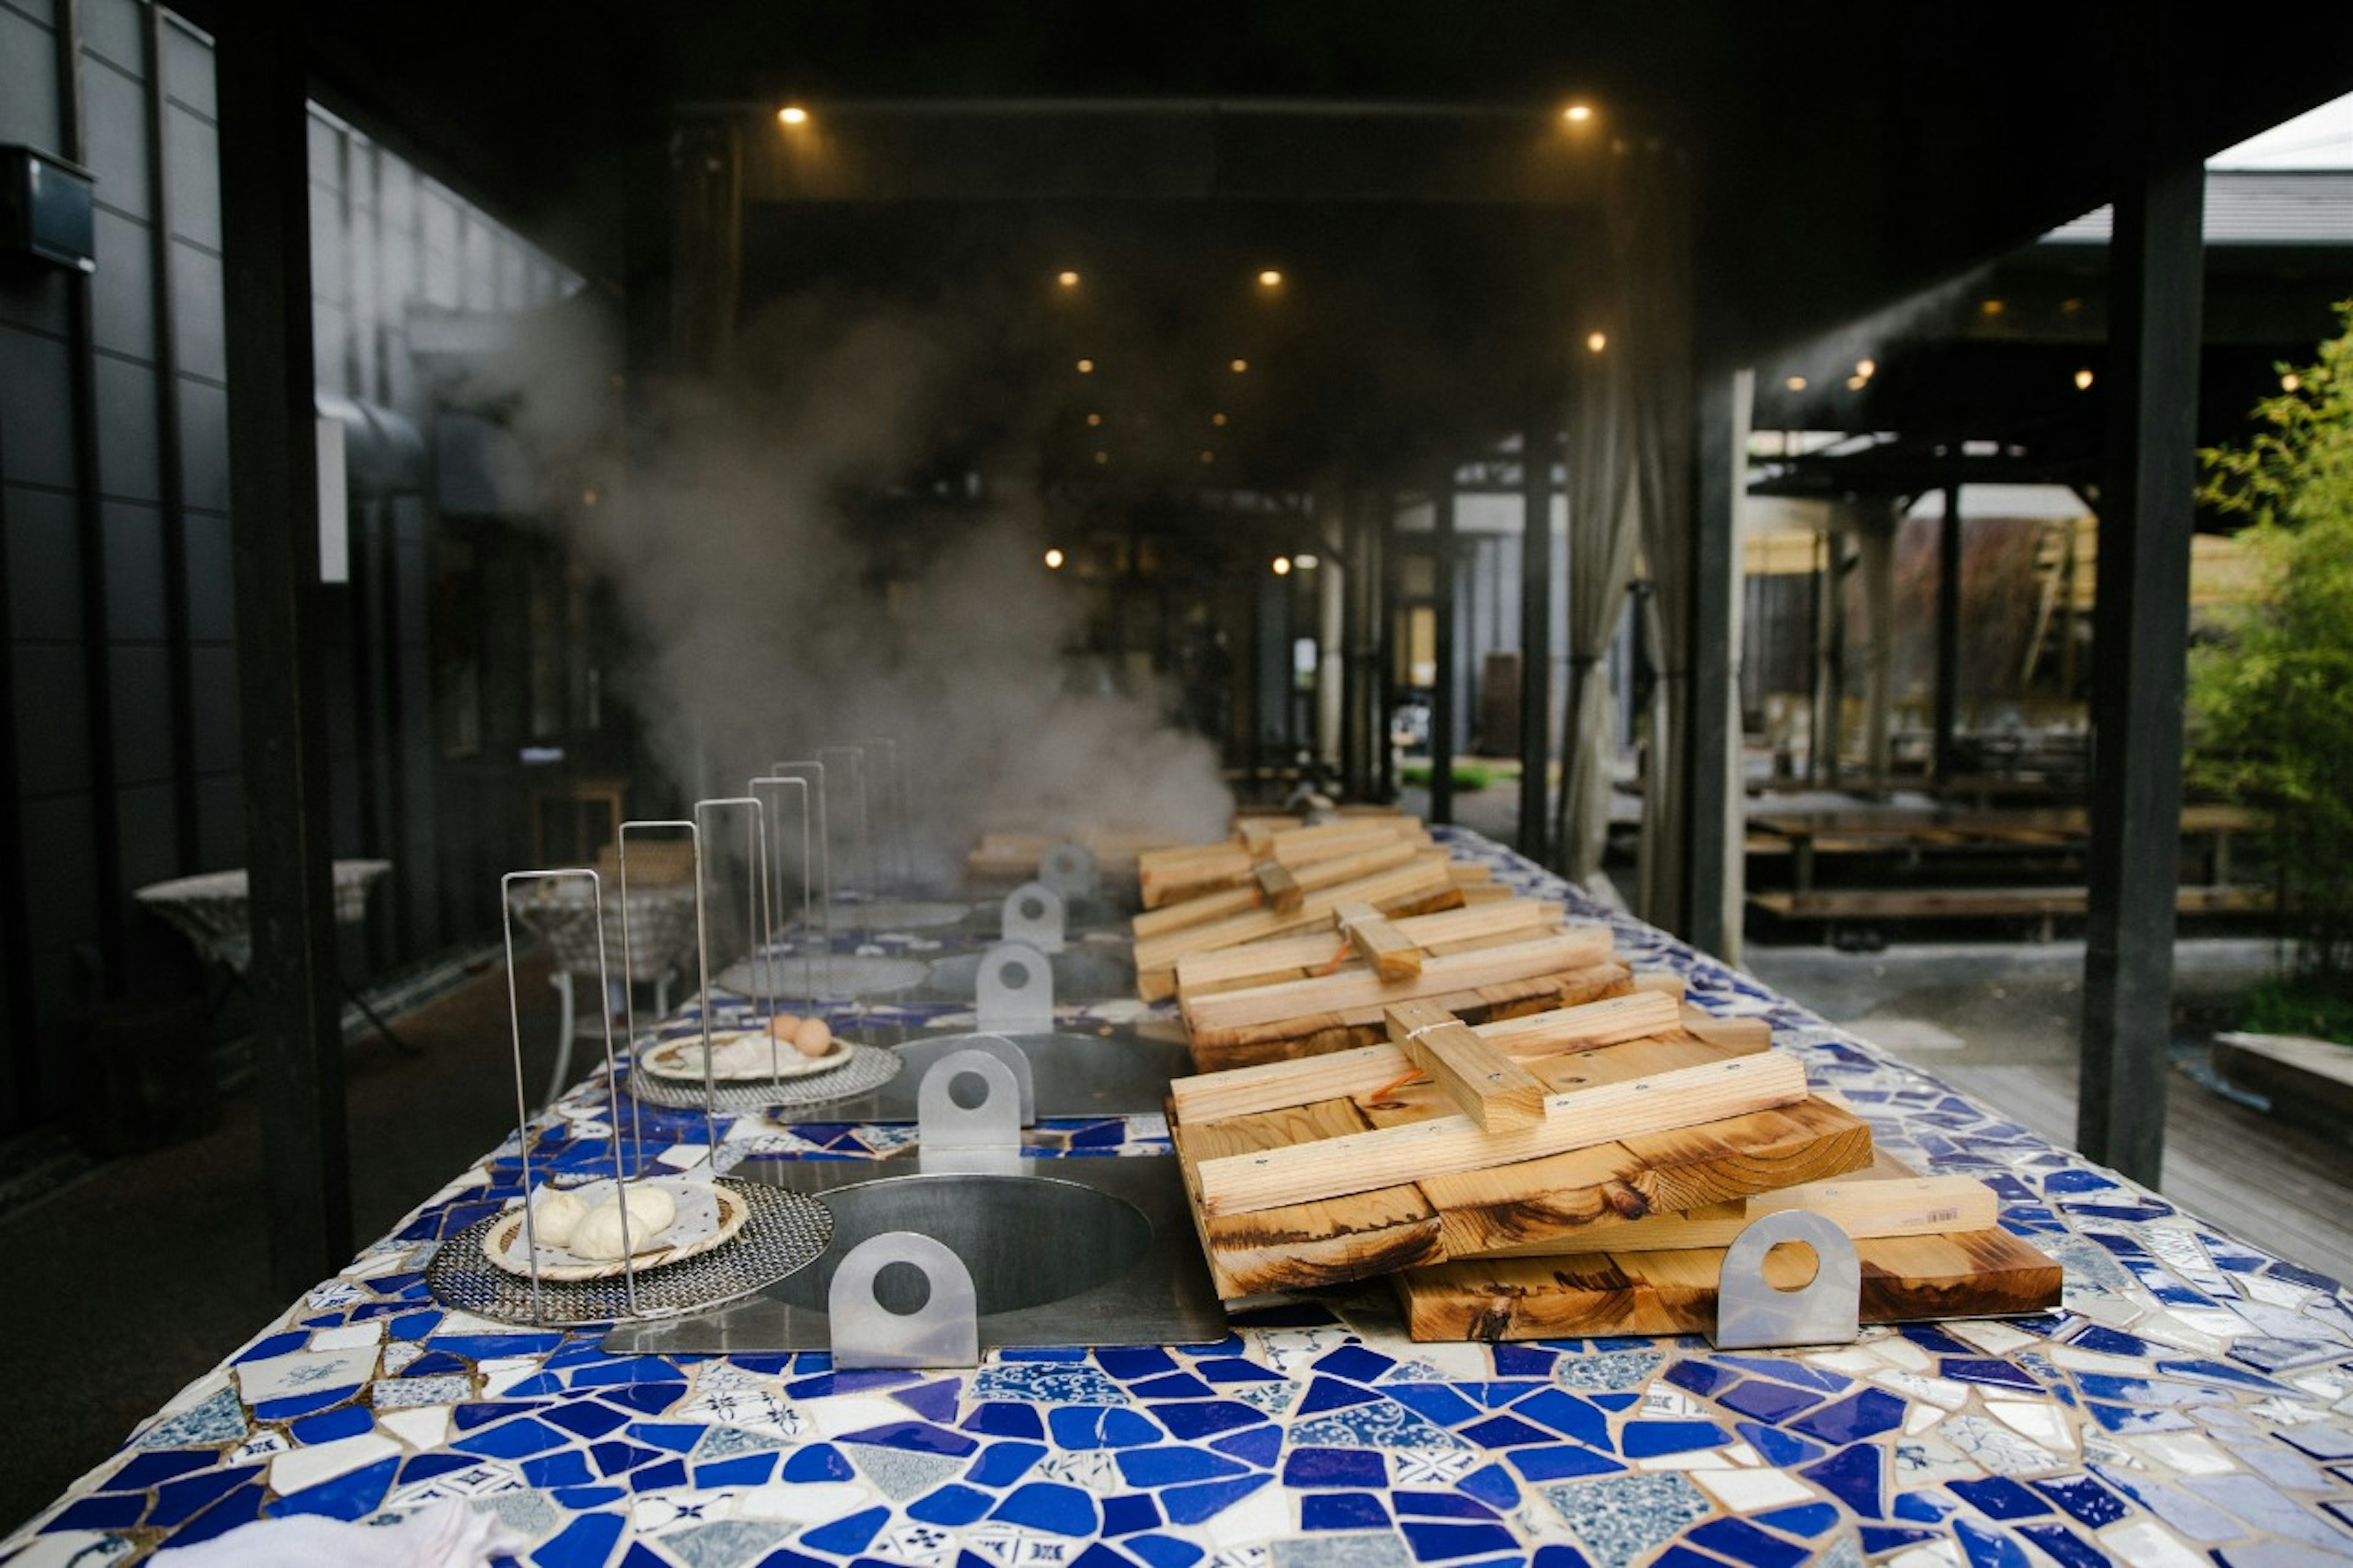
[765,630]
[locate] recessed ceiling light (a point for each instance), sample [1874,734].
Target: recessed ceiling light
[1053,560]
[792,114]
[1283,565]
[1596,341]
[1270,278]
[1577,113]
[1239,366]
[1103,456]
[1086,367]
[1216,419]
[2083,379]
[1795,384]
[1067,279]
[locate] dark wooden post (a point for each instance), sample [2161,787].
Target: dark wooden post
[1720,437]
[1443,682]
[2141,633]
[274,508]
[1949,633]
[1535,624]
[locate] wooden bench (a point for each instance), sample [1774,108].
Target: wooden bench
[2046,904]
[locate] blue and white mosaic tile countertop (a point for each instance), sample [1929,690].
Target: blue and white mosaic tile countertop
[2192,1403]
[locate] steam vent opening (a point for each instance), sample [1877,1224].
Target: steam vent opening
[1725,476]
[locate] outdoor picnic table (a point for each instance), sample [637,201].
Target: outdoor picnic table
[2052,826]
[2192,1401]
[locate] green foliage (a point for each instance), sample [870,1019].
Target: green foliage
[1466,776]
[2298,1004]
[2270,699]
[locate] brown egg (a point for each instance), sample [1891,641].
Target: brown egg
[813,1037]
[785,1025]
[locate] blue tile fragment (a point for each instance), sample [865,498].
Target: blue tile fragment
[1988,1548]
[1191,1421]
[1125,1513]
[1999,1498]
[2064,1547]
[1988,1370]
[1434,1401]
[1129,1364]
[932,1401]
[586,1543]
[1002,1464]
[1047,1505]
[1784,1449]
[1100,1427]
[1806,1518]
[2084,1497]
[1491,1485]
[1506,1432]
[103,1511]
[349,1496]
[349,1421]
[1561,1461]
[917,1437]
[1192,1504]
[241,1506]
[1162,1551]
[1432,1543]
[1700,1377]
[1308,1467]
[1866,1414]
[1879,1540]
[1331,1394]
[150,1469]
[1003,1418]
[1766,1400]
[585,1417]
[565,1468]
[1565,1413]
[1649,1439]
[846,1536]
[951,1504]
[512,1439]
[1256,1445]
[1149,1468]
[1852,1476]
[1355,1362]
[178,1501]
[1343,1511]
[1743,1542]
[1173,1386]
[742,1470]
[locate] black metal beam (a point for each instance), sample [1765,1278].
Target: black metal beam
[1384,645]
[1536,626]
[185,839]
[1709,696]
[2142,630]
[274,500]
[1442,678]
[1948,630]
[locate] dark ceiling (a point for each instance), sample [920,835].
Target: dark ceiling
[1846,153]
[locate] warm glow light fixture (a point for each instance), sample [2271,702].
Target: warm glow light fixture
[1239,366]
[1283,565]
[2083,379]
[2291,381]
[1991,307]
[1208,456]
[1866,368]
[1596,341]
[1094,418]
[1305,561]
[792,114]
[1270,278]
[1216,419]
[1101,457]
[1053,560]
[1067,279]
[1086,367]
[1577,113]
[1795,384]
[1857,382]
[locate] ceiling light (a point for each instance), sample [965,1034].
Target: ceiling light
[1283,565]
[1101,457]
[1239,366]
[1866,368]
[1067,279]
[1577,113]
[1094,418]
[792,114]
[1270,278]
[1795,384]
[1305,562]
[2291,381]
[1596,341]
[1208,456]
[2083,380]
[1216,419]
[1086,367]
[1857,382]
[1991,307]
[1053,560]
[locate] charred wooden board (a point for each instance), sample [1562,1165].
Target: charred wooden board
[1973,1274]
[1325,1191]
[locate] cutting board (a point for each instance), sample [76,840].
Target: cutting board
[1972,1273]
[1323,1170]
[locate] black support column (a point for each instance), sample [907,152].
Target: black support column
[1443,682]
[2137,674]
[274,502]
[1949,633]
[1720,438]
[1536,626]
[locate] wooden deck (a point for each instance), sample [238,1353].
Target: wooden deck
[2287,1190]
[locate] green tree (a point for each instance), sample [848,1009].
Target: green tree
[2270,699]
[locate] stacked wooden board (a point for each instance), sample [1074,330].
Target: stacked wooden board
[1482,1104]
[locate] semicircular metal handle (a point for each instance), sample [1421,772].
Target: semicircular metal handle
[920,1054]
[944,1331]
[993,1124]
[1751,1312]
[1015,992]
[1069,869]
[1034,914]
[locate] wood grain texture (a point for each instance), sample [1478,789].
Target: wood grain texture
[1296,1037]
[1975,1274]
[1210,1017]
[1276,886]
[1491,1089]
[1649,1102]
[1391,953]
[1418,881]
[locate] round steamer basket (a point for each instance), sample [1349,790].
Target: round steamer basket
[850,974]
[782,1233]
[868,1068]
[498,1243]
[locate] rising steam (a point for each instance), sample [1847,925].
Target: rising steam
[766,630]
